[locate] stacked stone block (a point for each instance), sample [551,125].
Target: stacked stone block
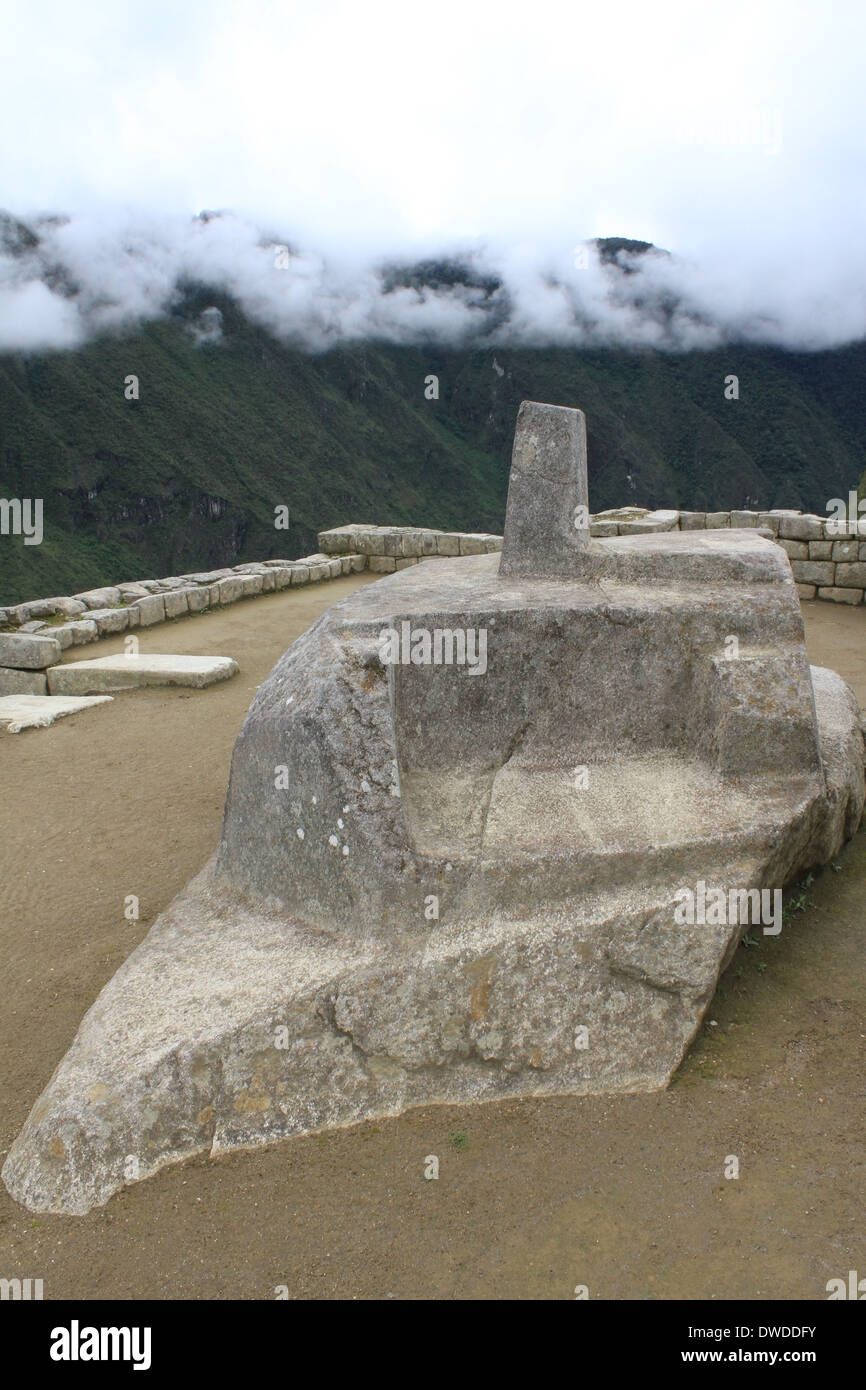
[83,618]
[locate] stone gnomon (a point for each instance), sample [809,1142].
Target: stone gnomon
[441,884]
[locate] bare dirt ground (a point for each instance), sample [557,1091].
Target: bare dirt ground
[626,1195]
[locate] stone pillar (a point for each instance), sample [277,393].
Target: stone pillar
[547,515]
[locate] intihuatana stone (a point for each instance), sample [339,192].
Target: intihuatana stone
[547,513]
[469,814]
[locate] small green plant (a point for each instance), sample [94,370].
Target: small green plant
[460,1140]
[800,900]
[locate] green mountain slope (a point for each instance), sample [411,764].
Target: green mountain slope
[188,476]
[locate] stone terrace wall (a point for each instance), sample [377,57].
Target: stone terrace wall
[826,565]
[94,613]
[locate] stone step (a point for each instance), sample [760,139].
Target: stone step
[129,672]
[538,835]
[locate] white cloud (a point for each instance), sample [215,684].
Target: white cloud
[732,136]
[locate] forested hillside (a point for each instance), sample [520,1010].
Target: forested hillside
[188,476]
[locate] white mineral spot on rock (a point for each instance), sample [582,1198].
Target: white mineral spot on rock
[315,801]
[339,822]
[365,786]
[345,810]
[300,833]
[332,840]
[345,849]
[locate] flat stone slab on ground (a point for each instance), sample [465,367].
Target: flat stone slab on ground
[128,672]
[19,712]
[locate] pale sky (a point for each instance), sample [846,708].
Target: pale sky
[731,134]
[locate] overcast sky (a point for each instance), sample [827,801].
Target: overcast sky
[731,134]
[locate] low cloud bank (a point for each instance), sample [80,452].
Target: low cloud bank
[66,280]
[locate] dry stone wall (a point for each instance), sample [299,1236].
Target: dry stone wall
[826,564]
[34,634]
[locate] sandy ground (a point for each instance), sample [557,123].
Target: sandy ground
[626,1195]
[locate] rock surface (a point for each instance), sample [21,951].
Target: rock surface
[547,513]
[28,651]
[124,672]
[14,682]
[452,880]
